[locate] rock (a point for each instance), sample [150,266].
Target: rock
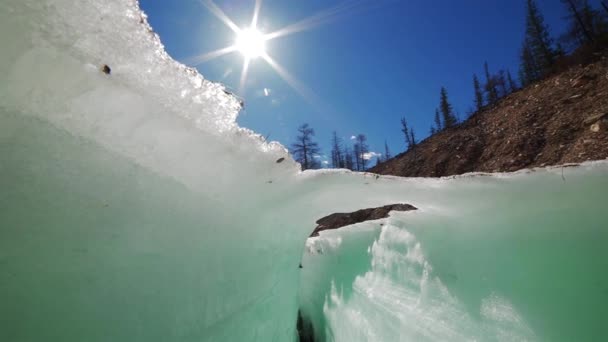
[595,118]
[106,69]
[596,127]
[339,220]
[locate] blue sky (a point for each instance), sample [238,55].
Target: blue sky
[367,67]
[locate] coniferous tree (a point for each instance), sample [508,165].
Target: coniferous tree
[511,83]
[605,6]
[405,130]
[582,26]
[337,155]
[387,152]
[501,84]
[409,134]
[528,68]
[447,112]
[538,39]
[490,86]
[305,149]
[412,140]
[438,124]
[478,93]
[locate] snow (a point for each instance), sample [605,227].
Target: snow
[133,208]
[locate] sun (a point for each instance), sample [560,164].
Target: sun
[251,43]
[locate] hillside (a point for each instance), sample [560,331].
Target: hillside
[562,119]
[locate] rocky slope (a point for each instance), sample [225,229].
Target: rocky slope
[563,119]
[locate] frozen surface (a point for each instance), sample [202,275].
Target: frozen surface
[134,209]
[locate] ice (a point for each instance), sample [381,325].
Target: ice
[133,208]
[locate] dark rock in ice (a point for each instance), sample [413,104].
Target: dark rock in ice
[338,220]
[106,69]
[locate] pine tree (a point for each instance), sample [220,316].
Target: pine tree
[582,24]
[528,68]
[387,152]
[511,83]
[412,140]
[405,130]
[304,149]
[449,118]
[438,124]
[490,86]
[478,93]
[501,84]
[337,155]
[538,40]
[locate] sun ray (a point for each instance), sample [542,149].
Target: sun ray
[323,17]
[293,82]
[211,55]
[256,13]
[244,76]
[250,42]
[213,8]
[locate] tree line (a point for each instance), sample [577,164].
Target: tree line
[307,152]
[540,56]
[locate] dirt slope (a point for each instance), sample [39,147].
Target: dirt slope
[563,119]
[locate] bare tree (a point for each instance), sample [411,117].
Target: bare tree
[361,150]
[304,149]
[348,159]
[337,153]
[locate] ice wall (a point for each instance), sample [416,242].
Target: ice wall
[133,209]
[132,206]
[517,257]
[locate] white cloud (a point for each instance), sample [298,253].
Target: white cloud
[267,92]
[370,155]
[325,162]
[275,102]
[352,137]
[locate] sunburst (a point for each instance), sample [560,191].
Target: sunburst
[251,42]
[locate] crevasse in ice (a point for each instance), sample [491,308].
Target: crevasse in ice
[134,209]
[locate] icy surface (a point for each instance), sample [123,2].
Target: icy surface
[134,209]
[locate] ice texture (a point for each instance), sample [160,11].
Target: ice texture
[133,208]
